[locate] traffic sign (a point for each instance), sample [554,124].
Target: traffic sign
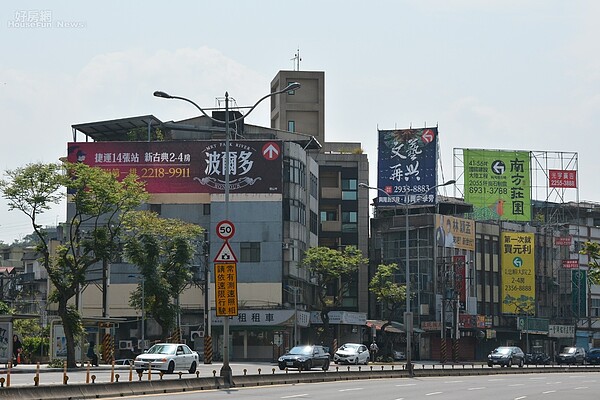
[226,297]
[225,254]
[225,229]
[271,151]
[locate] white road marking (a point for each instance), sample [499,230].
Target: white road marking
[581,387]
[519,398]
[294,395]
[549,391]
[537,379]
[516,384]
[454,382]
[433,393]
[477,388]
[350,390]
[407,384]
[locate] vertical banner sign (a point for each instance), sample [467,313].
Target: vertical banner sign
[460,278]
[498,184]
[518,271]
[226,296]
[578,292]
[407,160]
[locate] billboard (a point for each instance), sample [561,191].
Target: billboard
[498,184]
[407,160]
[518,271]
[454,232]
[562,178]
[188,166]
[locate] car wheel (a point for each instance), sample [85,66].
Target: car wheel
[356,361]
[307,366]
[336,361]
[521,363]
[326,365]
[281,367]
[490,365]
[509,363]
[171,367]
[192,367]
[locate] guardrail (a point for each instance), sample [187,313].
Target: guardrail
[153,383]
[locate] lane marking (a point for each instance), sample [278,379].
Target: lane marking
[407,384]
[294,396]
[519,398]
[350,390]
[581,387]
[453,381]
[549,391]
[516,384]
[477,388]
[433,393]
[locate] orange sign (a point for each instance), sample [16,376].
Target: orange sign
[226,297]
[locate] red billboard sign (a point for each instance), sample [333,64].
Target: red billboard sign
[189,166]
[570,264]
[563,240]
[562,178]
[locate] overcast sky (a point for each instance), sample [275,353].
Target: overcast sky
[497,74]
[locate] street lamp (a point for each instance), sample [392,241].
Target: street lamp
[226,368]
[408,322]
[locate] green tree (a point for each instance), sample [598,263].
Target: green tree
[335,270]
[98,200]
[390,295]
[592,250]
[162,248]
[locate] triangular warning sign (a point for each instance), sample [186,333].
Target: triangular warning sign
[225,254]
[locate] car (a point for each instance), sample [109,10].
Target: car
[537,358]
[305,358]
[352,353]
[506,356]
[593,356]
[571,355]
[399,355]
[124,361]
[167,357]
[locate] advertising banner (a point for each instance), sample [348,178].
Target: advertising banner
[562,178]
[454,232]
[518,271]
[498,184]
[563,240]
[226,295]
[460,278]
[570,264]
[579,292]
[188,166]
[407,160]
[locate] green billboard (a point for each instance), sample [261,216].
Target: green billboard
[498,184]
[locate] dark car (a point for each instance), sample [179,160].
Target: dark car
[506,356]
[537,358]
[305,358]
[593,356]
[571,355]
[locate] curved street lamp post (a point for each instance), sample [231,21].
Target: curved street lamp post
[408,321]
[226,368]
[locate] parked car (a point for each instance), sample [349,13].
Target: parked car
[399,355]
[537,358]
[352,353]
[506,356]
[593,356]
[571,355]
[305,358]
[167,357]
[124,361]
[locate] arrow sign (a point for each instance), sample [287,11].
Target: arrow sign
[498,167]
[428,136]
[225,254]
[270,151]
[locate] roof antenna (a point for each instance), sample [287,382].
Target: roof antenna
[297,60]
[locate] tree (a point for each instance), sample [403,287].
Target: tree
[162,248]
[389,294]
[592,250]
[98,200]
[335,271]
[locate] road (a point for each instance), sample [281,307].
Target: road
[555,386]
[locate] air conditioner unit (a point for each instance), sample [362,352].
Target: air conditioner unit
[143,344]
[196,335]
[125,345]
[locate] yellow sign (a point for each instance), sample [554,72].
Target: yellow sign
[518,272]
[455,232]
[226,297]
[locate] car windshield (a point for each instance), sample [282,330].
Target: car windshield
[162,349]
[570,350]
[349,347]
[502,350]
[302,350]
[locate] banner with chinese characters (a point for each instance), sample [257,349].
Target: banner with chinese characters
[407,160]
[562,178]
[188,166]
[498,184]
[226,296]
[517,253]
[454,232]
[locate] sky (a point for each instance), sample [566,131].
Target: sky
[495,74]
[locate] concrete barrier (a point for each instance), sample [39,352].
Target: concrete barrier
[121,389]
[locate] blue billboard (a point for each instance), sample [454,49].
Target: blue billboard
[407,160]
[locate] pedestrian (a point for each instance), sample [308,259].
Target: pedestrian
[374,349]
[17,349]
[91,354]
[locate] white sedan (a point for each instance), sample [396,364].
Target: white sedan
[167,357]
[352,353]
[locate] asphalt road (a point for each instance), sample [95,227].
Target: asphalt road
[555,386]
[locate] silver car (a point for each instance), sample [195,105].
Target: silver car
[167,357]
[352,353]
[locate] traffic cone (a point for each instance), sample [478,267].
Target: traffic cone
[19,358]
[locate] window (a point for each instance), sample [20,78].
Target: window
[349,187]
[295,211]
[314,186]
[250,252]
[314,223]
[206,209]
[330,215]
[294,171]
[329,179]
[291,126]
[156,208]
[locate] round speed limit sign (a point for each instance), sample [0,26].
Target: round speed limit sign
[225,229]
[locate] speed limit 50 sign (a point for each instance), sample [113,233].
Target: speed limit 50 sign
[225,229]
